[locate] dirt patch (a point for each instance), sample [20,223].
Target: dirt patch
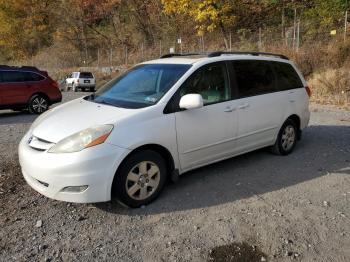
[237,252]
[10,178]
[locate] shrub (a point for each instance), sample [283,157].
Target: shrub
[331,86]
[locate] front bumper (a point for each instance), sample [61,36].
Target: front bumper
[50,173]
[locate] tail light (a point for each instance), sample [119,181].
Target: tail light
[308,90]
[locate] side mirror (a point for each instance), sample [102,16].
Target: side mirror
[191,101]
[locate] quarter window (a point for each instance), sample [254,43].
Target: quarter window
[211,82]
[30,76]
[287,77]
[253,78]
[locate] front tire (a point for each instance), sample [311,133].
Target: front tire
[286,139]
[140,178]
[38,104]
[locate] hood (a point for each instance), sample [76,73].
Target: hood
[72,117]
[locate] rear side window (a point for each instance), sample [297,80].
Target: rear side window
[253,77]
[86,75]
[287,77]
[12,76]
[33,77]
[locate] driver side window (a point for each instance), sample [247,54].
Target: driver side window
[210,81]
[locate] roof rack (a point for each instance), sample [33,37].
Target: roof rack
[185,54]
[219,53]
[29,68]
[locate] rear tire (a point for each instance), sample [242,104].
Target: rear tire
[92,89]
[140,178]
[286,139]
[38,104]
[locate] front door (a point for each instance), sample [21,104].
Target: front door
[207,134]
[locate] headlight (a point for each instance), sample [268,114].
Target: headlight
[87,138]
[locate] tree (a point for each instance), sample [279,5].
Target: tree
[208,14]
[26,26]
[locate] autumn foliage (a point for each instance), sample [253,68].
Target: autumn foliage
[27,27]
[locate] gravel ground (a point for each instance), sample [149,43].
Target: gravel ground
[289,208]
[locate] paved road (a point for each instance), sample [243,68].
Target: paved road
[290,207]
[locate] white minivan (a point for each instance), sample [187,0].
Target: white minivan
[163,118]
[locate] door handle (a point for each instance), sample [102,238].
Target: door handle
[229,109]
[244,106]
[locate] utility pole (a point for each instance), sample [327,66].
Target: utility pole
[346,24]
[126,54]
[282,31]
[260,42]
[294,27]
[98,57]
[160,48]
[298,35]
[111,57]
[202,43]
[230,42]
[142,58]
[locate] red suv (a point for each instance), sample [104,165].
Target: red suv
[27,88]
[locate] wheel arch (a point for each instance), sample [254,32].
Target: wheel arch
[161,150]
[42,94]
[296,119]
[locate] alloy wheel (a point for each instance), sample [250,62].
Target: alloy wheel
[142,180]
[288,137]
[39,104]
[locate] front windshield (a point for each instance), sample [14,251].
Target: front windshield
[143,85]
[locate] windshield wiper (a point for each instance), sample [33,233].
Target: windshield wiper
[104,102]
